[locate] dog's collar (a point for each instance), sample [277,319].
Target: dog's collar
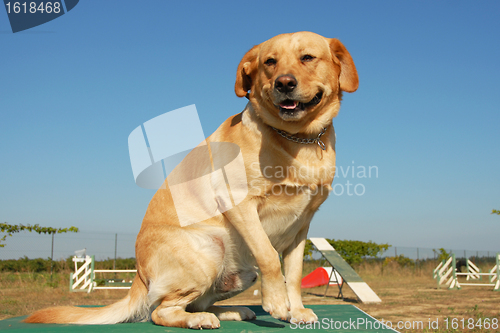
[295,139]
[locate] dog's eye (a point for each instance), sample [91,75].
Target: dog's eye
[307,57]
[270,62]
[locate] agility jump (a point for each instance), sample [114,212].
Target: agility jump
[364,293]
[446,273]
[83,279]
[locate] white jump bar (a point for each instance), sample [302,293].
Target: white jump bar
[115,270]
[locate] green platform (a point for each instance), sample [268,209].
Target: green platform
[332,318]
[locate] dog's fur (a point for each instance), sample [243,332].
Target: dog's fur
[294,83]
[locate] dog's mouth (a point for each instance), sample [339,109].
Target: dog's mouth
[290,109]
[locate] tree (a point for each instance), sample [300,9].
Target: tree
[10,229]
[354,252]
[495,212]
[441,254]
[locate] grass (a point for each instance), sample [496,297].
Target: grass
[409,295]
[24,293]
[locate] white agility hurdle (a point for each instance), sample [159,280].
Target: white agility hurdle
[473,270]
[83,279]
[446,273]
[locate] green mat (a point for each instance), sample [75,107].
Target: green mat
[332,318]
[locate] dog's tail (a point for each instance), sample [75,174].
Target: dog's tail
[133,308]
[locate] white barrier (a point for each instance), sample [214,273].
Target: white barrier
[83,279]
[446,273]
[473,270]
[496,268]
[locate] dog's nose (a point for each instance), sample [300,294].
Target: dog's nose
[285,83]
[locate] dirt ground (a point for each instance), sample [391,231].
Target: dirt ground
[411,301]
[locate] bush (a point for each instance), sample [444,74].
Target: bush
[401,260]
[354,252]
[43,265]
[128,263]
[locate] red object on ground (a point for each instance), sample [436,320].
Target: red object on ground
[319,277]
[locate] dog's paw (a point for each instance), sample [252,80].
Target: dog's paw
[303,316]
[277,307]
[275,298]
[202,320]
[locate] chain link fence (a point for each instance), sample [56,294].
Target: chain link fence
[122,245]
[420,253]
[102,245]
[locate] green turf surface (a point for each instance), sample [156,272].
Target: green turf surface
[332,318]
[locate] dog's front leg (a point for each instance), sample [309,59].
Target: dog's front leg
[246,221]
[293,258]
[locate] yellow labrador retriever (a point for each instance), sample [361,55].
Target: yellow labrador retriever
[294,83]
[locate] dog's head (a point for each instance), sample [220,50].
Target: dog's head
[296,80]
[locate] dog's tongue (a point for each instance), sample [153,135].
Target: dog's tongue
[288,104]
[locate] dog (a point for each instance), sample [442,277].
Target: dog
[294,83]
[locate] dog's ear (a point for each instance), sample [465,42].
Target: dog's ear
[348,75]
[246,69]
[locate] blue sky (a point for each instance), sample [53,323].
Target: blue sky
[426,115]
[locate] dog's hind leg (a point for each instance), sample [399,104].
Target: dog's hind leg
[175,294]
[183,271]
[176,316]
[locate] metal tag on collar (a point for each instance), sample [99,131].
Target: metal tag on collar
[320,143]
